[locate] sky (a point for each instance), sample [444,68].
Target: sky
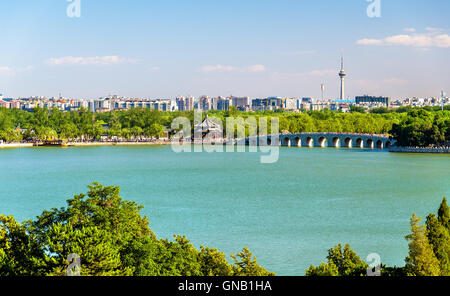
[256,48]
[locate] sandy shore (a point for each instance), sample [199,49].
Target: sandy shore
[16,145]
[85,144]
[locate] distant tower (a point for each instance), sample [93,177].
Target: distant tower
[342,76]
[322,88]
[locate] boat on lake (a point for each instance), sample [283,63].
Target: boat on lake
[53,143]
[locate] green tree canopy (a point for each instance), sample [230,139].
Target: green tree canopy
[421,260]
[111,238]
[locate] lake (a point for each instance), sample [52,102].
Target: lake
[288,213]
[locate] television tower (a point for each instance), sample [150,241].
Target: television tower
[342,76]
[322,88]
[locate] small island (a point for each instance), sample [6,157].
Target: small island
[422,132]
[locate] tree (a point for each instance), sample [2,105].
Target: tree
[421,260]
[324,269]
[45,133]
[246,265]
[111,238]
[10,135]
[178,258]
[357,109]
[214,263]
[156,130]
[340,263]
[20,254]
[90,218]
[136,131]
[126,133]
[69,131]
[444,214]
[421,128]
[439,239]
[379,110]
[99,255]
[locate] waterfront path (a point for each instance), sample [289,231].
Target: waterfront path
[443,150]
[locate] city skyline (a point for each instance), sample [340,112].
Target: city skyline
[257,49]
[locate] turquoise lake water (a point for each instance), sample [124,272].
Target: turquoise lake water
[288,213]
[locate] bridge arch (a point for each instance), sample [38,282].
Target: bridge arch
[322,142]
[287,142]
[336,142]
[359,143]
[348,142]
[380,144]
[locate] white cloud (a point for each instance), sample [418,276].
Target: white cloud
[427,40]
[322,72]
[299,52]
[367,41]
[224,68]
[218,68]
[302,75]
[410,30]
[97,60]
[431,29]
[12,71]
[5,70]
[396,81]
[255,68]
[375,85]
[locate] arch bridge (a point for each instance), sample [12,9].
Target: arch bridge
[336,140]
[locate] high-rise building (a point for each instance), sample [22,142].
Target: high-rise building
[185,103]
[204,103]
[290,103]
[241,102]
[342,77]
[373,100]
[189,103]
[180,103]
[223,104]
[271,104]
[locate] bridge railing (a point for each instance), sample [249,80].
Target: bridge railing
[330,133]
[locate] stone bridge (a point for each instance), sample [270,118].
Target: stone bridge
[336,140]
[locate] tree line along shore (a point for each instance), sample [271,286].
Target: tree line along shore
[421,127]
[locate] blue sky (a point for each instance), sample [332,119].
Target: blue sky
[256,48]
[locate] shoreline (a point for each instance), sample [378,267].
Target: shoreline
[418,150]
[16,145]
[89,144]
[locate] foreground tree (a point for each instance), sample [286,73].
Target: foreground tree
[439,238]
[246,265]
[340,263]
[438,234]
[19,254]
[421,260]
[111,238]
